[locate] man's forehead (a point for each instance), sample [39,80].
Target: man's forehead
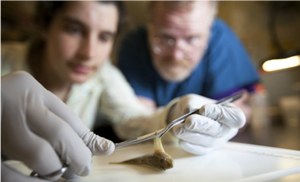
[180,5]
[198,18]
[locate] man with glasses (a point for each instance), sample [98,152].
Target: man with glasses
[185,49]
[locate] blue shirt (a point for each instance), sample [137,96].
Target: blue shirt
[225,68]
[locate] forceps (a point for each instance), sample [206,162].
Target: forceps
[163,131]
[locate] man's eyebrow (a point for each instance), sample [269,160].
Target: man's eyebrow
[73,20]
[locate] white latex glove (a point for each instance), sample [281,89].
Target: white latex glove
[206,131]
[38,129]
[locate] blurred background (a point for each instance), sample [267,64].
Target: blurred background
[268,30]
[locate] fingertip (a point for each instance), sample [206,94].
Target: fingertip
[106,147]
[230,114]
[82,167]
[74,172]
[237,116]
[242,119]
[196,122]
[207,109]
[69,174]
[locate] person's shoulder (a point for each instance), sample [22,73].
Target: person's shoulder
[220,23]
[221,34]
[220,27]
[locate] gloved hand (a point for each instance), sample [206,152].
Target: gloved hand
[206,131]
[38,129]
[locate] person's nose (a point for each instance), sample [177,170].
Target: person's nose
[177,52]
[88,48]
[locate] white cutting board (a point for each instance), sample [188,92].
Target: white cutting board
[232,162]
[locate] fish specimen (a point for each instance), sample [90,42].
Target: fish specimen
[159,159]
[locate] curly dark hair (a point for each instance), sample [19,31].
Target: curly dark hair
[46,10]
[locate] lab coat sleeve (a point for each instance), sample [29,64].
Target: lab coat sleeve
[129,116]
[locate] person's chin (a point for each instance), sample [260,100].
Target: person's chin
[79,78]
[173,72]
[174,75]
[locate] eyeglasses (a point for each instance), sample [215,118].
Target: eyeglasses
[161,45]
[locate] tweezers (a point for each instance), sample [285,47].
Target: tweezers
[163,131]
[52,176]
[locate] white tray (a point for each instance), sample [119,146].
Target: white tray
[232,162]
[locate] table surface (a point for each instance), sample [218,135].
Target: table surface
[275,135]
[232,162]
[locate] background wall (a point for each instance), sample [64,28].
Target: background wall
[16,20]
